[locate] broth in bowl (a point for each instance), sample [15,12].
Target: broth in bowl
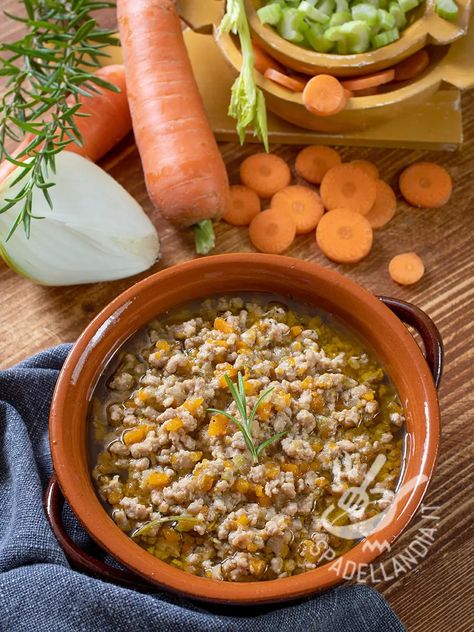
[223,433]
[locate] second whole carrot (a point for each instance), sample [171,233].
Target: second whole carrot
[102,120]
[184,171]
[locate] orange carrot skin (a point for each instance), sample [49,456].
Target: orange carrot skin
[108,121]
[184,172]
[109,116]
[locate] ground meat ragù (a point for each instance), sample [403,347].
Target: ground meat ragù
[181,480]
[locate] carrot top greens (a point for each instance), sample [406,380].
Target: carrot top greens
[246,420]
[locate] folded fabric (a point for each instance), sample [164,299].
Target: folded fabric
[40,591]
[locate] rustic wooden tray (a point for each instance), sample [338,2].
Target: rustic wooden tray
[419,128]
[425,114]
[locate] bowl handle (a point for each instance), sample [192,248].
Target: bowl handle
[429,333]
[79,559]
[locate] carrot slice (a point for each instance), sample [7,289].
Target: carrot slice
[265,174]
[426,184]
[272,231]
[368,92]
[303,204]
[346,186]
[384,206]
[291,83]
[324,95]
[244,204]
[367,166]
[406,268]
[262,60]
[344,236]
[369,81]
[412,66]
[313,162]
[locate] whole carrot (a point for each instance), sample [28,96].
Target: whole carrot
[107,121]
[184,172]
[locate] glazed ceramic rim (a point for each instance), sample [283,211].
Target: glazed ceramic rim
[100,337]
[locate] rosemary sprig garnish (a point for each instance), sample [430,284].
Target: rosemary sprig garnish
[245,422]
[191,520]
[47,71]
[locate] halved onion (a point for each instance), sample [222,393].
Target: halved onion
[95,232]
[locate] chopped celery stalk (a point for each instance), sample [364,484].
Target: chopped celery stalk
[387,37]
[334,34]
[342,6]
[340,18]
[315,24]
[312,13]
[408,5]
[270,14]
[317,40]
[357,34]
[366,13]
[387,21]
[292,25]
[374,3]
[398,15]
[342,47]
[328,7]
[447,9]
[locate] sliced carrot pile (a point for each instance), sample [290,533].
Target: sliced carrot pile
[265,174]
[367,166]
[244,204]
[406,268]
[262,60]
[291,83]
[426,184]
[303,204]
[384,206]
[272,231]
[346,186]
[313,162]
[412,66]
[344,236]
[369,81]
[324,95]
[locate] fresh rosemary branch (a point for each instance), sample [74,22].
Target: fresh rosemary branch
[47,71]
[245,423]
[182,518]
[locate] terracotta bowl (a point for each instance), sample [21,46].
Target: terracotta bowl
[425,27]
[201,278]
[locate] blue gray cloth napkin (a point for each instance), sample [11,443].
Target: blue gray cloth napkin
[39,591]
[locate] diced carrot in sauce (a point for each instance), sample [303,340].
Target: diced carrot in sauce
[134,435]
[218,426]
[173,424]
[222,325]
[158,480]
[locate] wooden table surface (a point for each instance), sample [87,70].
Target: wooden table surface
[436,595]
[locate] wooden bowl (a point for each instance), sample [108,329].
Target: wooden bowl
[235,273]
[452,64]
[425,27]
